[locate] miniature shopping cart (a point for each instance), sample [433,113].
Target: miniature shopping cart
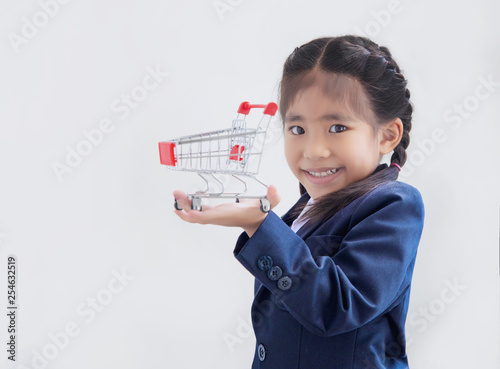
[235,151]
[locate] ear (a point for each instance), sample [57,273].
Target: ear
[389,135]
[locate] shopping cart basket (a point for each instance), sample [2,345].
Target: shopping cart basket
[235,151]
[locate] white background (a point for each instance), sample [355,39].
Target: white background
[113,212]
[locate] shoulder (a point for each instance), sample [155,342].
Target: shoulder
[395,190]
[399,199]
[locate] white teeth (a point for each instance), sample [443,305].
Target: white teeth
[323,174]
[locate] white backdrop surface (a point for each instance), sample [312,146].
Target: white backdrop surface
[109,277]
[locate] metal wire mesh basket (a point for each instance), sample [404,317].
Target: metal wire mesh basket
[235,151]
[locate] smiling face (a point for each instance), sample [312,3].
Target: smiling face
[329,142]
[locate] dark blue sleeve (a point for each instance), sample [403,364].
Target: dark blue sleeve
[370,268]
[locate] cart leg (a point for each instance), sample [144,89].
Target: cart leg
[265,205]
[176,205]
[196,203]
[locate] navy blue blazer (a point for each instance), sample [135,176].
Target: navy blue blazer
[335,295]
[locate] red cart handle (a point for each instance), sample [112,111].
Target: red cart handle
[269,109]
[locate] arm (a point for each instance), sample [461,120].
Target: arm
[334,294]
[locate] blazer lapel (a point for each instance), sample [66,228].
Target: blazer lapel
[288,218]
[307,228]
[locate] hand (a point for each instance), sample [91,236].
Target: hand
[245,214]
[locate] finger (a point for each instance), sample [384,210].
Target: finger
[182,200]
[181,214]
[190,216]
[185,216]
[273,195]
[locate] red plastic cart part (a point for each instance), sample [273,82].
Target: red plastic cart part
[236,153]
[269,109]
[167,155]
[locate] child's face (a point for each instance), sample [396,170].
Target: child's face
[321,134]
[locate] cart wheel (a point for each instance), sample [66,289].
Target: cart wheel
[196,203]
[237,200]
[176,205]
[265,205]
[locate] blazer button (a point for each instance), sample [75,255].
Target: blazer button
[261,351]
[284,283]
[274,273]
[265,262]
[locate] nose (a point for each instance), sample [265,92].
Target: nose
[317,148]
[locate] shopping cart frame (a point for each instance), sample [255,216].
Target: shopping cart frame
[236,145]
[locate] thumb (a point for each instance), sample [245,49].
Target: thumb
[273,196]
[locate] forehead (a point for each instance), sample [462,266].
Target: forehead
[312,101]
[333,91]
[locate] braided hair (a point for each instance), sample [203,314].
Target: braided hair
[384,86]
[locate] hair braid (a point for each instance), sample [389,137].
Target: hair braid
[399,155]
[391,70]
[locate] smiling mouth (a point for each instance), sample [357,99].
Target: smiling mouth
[322,174]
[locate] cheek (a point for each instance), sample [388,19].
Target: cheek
[362,143]
[292,155]
[288,152]
[356,150]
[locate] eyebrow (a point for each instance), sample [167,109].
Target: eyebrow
[328,117]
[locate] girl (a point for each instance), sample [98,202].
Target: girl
[333,275]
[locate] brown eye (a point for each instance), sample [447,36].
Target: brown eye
[297,131]
[337,128]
